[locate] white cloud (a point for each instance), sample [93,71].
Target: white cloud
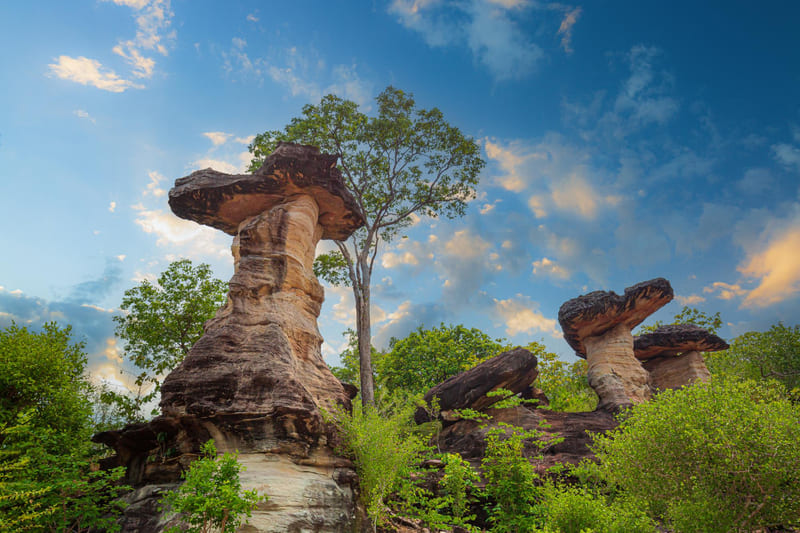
[245,140]
[548,267]
[520,316]
[787,155]
[170,231]
[692,299]
[725,291]
[112,206]
[152,19]
[152,187]
[576,195]
[511,159]
[217,137]
[90,72]
[98,308]
[565,30]
[489,28]
[643,98]
[775,265]
[84,114]
[391,259]
[121,257]
[465,245]
[252,18]
[216,164]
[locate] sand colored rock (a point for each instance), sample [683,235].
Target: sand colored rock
[256,381]
[671,354]
[673,372]
[598,327]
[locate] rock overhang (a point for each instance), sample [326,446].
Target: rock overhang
[598,312]
[224,201]
[675,339]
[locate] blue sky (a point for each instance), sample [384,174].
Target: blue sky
[624,140]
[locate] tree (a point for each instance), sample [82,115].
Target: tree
[689,315]
[46,479]
[426,357]
[772,354]
[211,496]
[564,384]
[163,320]
[401,162]
[348,372]
[44,373]
[718,456]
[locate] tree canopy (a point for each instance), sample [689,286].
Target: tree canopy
[426,357]
[403,160]
[162,320]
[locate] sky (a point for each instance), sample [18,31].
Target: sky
[624,141]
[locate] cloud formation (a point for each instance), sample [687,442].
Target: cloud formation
[520,315]
[153,18]
[775,266]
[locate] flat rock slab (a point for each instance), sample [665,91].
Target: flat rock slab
[675,339]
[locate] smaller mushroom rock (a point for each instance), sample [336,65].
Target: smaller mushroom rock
[598,327]
[514,370]
[672,354]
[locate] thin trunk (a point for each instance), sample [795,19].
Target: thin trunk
[364,332]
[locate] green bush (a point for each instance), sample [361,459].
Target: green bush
[570,509]
[384,452]
[211,497]
[721,456]
[512,483]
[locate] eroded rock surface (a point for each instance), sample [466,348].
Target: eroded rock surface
[598,327]
[256,381]
[671,354]
[514,370]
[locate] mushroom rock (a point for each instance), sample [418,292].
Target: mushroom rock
[598,327]
[514,370]
[256,381]
[672,354]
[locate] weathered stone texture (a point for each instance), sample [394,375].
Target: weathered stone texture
[514,370]
[673,372]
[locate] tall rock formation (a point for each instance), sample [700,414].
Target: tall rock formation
[256,381]
[598,327]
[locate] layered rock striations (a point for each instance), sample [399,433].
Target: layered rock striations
[256,381]
[672,354]
[598,327]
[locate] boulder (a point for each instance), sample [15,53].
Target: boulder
[514,370]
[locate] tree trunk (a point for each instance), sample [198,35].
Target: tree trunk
[364,332]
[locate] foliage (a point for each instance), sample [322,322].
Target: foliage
[211,496]
[348,372]
[402,161]
[564,384]
[163,320]
[512,483]
[384,451]
[576,509]
[721,456]
[47,491]
[772,354]
[689,315]
[426,357]
[43,373]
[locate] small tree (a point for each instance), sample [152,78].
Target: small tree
[426,357]
[211,497]
[772,354]
[689,315]
[719,456]
[564,384]
[162,320]
[401,162]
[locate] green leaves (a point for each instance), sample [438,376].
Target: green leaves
[721,455]
[211,495]
[163,320]
[426,357]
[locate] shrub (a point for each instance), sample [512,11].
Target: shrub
[569,509]
[512,483]
[384,452]
[720,456]
[211,495]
